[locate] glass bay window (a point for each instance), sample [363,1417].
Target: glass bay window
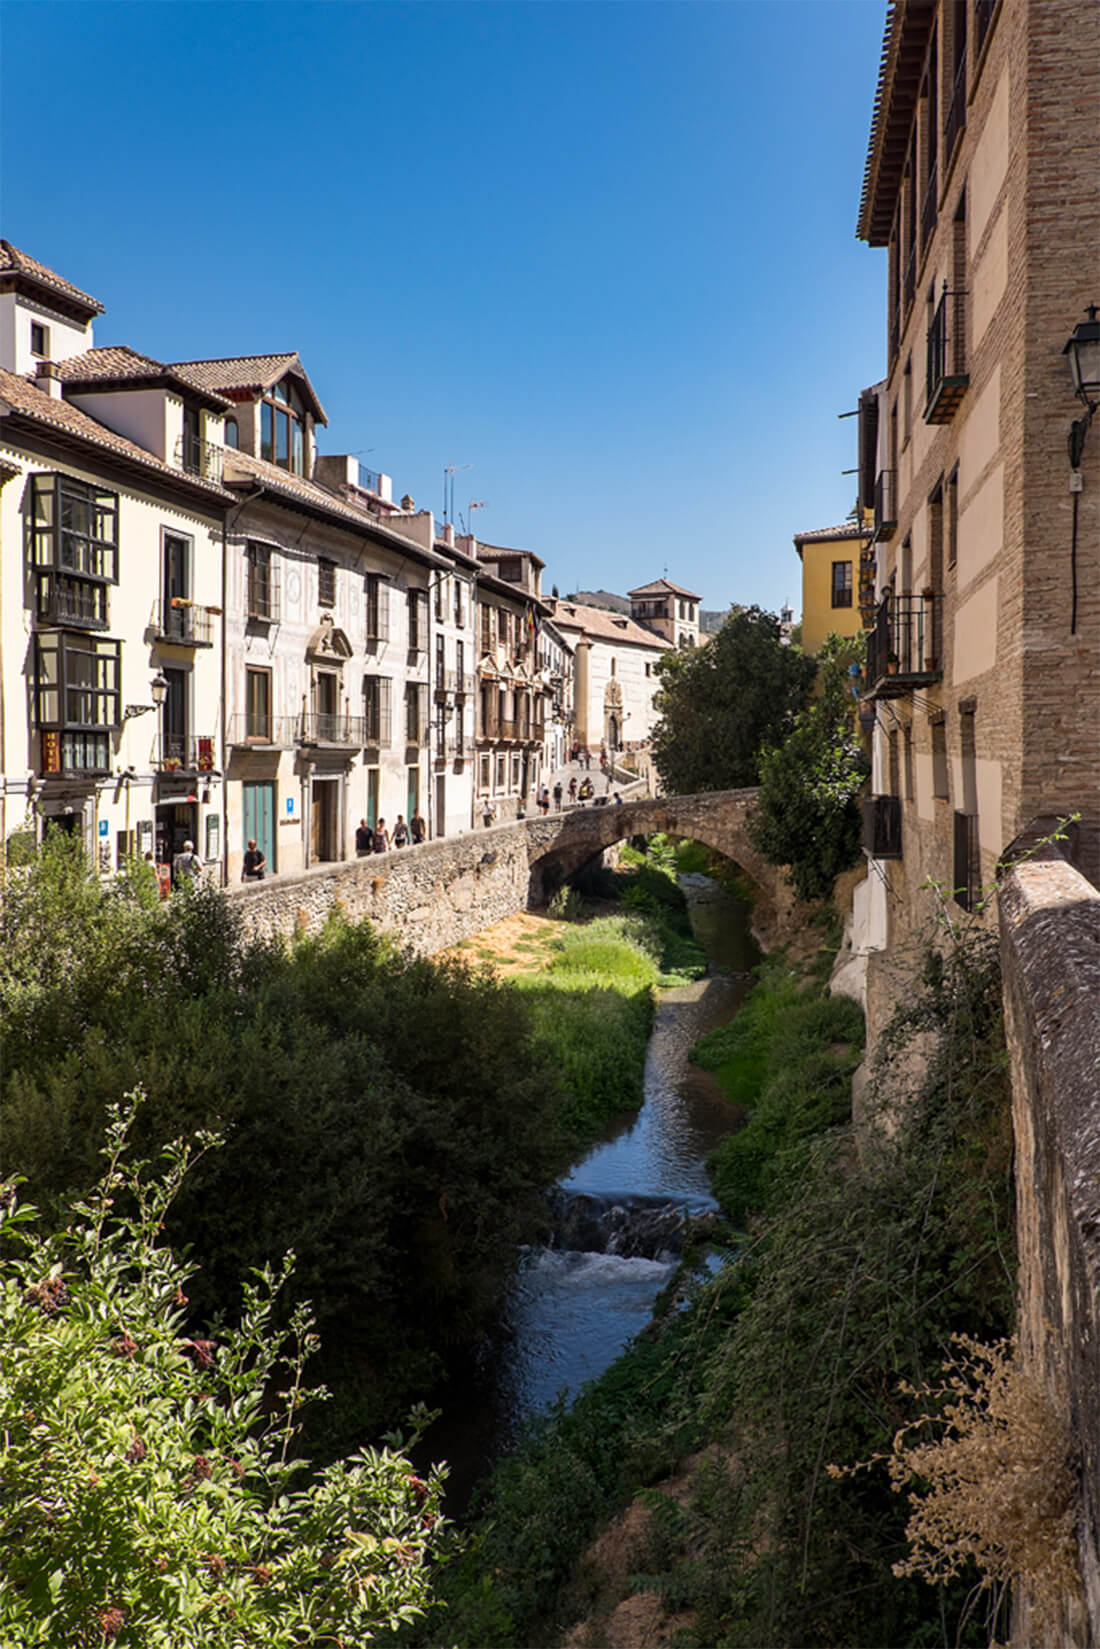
[77,696]
[73,532]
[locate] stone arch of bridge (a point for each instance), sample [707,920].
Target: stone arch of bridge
[558,846]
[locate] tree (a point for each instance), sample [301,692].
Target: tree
[808,816]
[721,702]
[149,1493]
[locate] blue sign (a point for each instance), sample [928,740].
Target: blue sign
[289,805]
[104,827]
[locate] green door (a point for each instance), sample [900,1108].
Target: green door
[259,819]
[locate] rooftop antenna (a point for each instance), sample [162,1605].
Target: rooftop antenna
[449,488]
[474,504]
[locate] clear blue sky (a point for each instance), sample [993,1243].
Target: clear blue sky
[603,253]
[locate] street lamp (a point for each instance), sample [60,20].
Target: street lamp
[158,687]
[1083,350]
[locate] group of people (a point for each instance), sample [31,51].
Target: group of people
[379,840]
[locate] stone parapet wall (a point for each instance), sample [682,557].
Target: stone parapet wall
[427,897]
[1050,949]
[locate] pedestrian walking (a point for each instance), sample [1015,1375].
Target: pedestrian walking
[186,866]
[400,832]
[488,812]
[573,789]
[418,827]
[363,839]
[557,797]
[381,837]
[253,864]
[587,760]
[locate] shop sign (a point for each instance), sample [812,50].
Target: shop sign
[51,752]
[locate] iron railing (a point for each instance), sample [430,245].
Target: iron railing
[903,647]
[78,602]
[194,753]
[332,727]
[886,505]
[252,727]
[955,123]
[186,625]
[199,457]
[929,209]
[967,878]
[911,277]
[882,827]
[946,378]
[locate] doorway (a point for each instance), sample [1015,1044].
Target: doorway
[258,800]
[176,823]
[324,823]
[440,805]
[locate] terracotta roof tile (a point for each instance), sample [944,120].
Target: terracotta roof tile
[825,535]
[14,262]
[118,364]
[253,372]
[603,625]
[663,586]
[34,404]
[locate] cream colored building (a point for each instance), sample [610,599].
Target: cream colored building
[513,695]
[668,610]
[614,675]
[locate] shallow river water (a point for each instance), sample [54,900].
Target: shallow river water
[573,1309]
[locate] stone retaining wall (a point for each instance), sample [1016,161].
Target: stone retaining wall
[427,897]
[1050,952]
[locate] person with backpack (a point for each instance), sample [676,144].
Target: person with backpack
[400,832]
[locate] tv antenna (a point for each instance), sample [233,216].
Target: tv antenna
[449,488]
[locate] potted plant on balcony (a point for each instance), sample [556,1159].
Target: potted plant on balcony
[893,664]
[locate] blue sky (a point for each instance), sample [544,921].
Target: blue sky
[603,253]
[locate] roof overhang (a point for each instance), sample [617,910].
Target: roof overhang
[908,26]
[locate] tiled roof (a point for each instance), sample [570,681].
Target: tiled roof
[663,586]
[118,364]
[602,625]
[16,263]
[253,372]
[241,468]
[497,552]
[28,401]
[821,535]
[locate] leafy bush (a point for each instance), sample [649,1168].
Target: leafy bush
[149,1490]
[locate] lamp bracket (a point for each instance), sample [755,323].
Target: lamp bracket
[133,710]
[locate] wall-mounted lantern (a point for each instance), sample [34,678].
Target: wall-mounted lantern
[1083,352]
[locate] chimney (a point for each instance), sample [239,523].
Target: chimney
[46,377]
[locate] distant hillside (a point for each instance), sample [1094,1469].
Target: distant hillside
[601,598]
[711,619]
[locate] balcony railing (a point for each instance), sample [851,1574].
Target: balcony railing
[882,827]
[200,457]
[910,278]
[332,727]
[77,603]
[904,647]
[886,503]
[187,626]
[508,730]
[946,378]
[369,480]
[955,123]
[251,729]
[967,877]
[193,753]
[444,682]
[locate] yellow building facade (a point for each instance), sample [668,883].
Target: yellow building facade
[830,582]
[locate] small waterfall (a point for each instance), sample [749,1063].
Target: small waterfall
[631,1226]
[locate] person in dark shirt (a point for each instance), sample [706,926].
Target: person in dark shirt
[418,827]
[364,838]
[253,864]
[400,832]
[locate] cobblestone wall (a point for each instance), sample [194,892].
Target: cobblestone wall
[428,897]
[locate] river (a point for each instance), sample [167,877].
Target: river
[576,1305]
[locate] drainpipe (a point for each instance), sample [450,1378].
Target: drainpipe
[223,757]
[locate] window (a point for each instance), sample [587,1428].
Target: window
[460,613]
[40,340]
[487,629]
[377,596]
[939,758]
[956,108]
[952,517]
[416,731]
[77,700]
[907,401]
[511,570]
[649,669]
[417,601]
[460,667]
[842,583]
[257,701]
[377,710]
[74,527]
[326,582]
[930,203]
[440,663]
[612,666]
[263,590]
[232,433]
[192,440]
[441,598]
[483,773]
[282,428]
[175,718]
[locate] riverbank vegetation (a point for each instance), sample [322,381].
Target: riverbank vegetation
[863,1256]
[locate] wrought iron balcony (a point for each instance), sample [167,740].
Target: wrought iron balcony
[882,827]
[946,378]
[886,503]
[251,730]
[71,602]
[187,752]
[183,624]
[200,457]
[332,727]
[904,646]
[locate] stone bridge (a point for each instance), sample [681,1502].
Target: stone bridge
[432,896]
